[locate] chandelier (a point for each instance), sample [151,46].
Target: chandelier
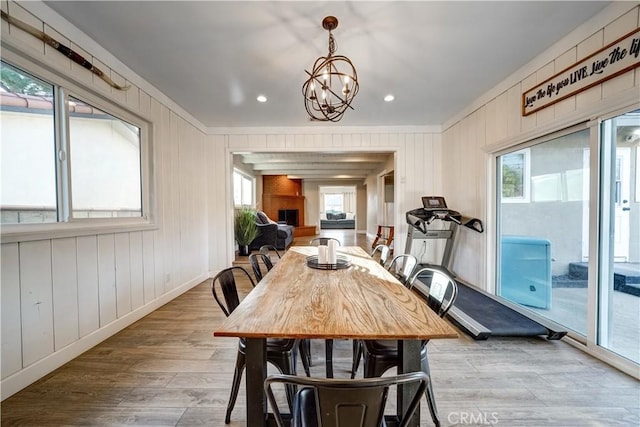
[332,83]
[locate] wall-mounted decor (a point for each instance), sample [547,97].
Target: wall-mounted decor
[67,51]
[608,62]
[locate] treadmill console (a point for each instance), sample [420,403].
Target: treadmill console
[435,207]
[433,202]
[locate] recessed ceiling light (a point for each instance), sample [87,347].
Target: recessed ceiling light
[389,98]
[261,98]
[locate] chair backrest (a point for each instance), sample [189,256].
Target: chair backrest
[266,250]
[402,267]
[255,260]
[442,289]
[344,402]
[385,251]
[224,289]
[323,241]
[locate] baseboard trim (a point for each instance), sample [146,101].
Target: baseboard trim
[32,373]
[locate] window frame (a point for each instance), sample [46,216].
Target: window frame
[66,225]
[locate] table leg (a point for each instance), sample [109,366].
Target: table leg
[328,354]
[255,376]
[409,361]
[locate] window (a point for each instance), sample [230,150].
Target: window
[334,202]
[27,148]
[515,176]
[93,169]
[105,154]
[542,243]
[242,189]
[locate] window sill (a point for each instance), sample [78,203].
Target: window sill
[13,233]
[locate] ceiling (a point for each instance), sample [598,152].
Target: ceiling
[318,166]
[213,58]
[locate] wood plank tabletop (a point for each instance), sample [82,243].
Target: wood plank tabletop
[363,301]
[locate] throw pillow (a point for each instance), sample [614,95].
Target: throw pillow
[262,217]
[331,216]
[341,215]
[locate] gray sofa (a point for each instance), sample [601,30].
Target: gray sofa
[337,220]
[271,233]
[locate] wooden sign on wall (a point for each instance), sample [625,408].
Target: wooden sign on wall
[608,62]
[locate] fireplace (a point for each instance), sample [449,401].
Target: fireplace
[290,216]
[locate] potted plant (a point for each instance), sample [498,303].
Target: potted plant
[245,229]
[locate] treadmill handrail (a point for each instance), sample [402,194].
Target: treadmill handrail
[420,218]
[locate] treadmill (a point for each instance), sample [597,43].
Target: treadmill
[430,238]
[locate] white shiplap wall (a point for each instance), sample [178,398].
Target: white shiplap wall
[62,295]
[499,123]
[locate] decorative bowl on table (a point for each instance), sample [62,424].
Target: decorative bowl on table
[341,262]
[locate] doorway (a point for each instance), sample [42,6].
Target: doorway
[338,207]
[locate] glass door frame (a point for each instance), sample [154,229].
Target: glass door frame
[598,249]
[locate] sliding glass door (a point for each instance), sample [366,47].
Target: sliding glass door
[619,261]
[543,215]
[556,198]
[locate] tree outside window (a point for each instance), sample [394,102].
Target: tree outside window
[515,176]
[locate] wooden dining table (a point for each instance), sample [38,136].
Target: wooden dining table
[362,301]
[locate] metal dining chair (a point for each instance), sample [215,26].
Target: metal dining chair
[255,260]
[323,241]
[344,402]
[266,250]
[384,251]
[402,267]
[280,352]
[381,355]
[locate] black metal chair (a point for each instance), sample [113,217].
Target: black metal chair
[379,356]
[323,241]
[344,402]
[402,267]
[255,260]
[266,250]
[280,352]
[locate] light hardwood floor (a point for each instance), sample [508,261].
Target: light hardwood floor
[168,370]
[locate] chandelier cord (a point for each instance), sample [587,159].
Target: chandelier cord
[333,45]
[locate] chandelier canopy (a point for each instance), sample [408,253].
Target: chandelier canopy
[332,83]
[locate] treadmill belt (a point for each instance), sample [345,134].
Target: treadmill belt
[501,320]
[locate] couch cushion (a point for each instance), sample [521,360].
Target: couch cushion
[341,215]
[262,217]
[331,215]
